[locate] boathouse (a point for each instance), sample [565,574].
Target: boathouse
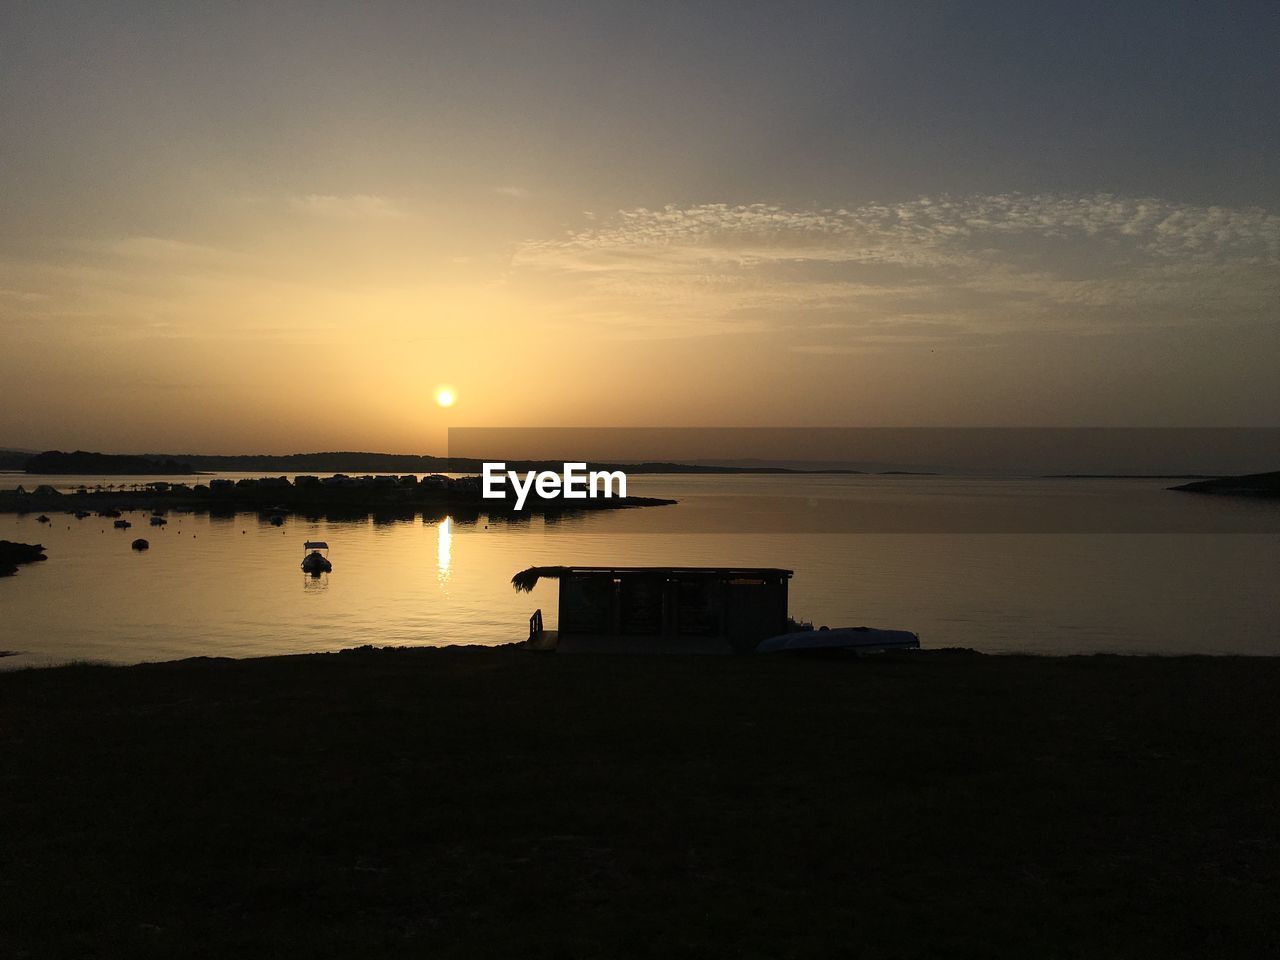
[660,609]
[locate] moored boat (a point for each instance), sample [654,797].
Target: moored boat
[315,562]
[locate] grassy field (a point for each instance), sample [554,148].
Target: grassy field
[504,803]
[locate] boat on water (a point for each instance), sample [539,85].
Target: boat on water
[122,524]
[856,640]
[158,521]
[315,561]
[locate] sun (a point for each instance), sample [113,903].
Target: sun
[445,396]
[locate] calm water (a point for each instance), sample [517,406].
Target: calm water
[232,586]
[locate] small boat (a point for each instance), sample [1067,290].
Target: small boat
[158,521]
[109,513]
[276,520]
[81,514]
[42,519]
[315,562]
[140,544]
[122,524]
[855,640]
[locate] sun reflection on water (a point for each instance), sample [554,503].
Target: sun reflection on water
[444,548]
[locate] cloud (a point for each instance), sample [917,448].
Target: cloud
[23,296]
[972,265]
[357,206]
[163,249]
[519,193]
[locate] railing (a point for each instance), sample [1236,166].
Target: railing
[535,626]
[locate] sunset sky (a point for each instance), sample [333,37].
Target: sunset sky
[234,228]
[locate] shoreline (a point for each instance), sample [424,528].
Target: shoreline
[836,660]
[317,502]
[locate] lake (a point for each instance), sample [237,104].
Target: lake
[1044,566]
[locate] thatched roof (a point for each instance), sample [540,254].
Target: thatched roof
[526,580]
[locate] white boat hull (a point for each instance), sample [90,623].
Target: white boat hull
[852,639]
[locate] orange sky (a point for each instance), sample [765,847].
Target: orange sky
[229,234]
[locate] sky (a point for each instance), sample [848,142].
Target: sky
[235,228]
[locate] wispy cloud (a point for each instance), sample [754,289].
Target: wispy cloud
[357,206]
[163,249]
[971,265]
[519,193]
[23,296]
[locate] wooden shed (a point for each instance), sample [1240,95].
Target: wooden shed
[661,609]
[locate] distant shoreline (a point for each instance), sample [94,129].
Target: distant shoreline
[1261,485]
[80,462]
[1130,476]
[270,495]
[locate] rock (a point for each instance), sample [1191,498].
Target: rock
[140,544]
[12,554]
[1253,485]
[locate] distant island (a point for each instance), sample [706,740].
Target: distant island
[112,464]
[55,462]
[1264,485]
[11,459]
[338,496]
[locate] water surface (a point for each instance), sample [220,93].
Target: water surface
[232,586]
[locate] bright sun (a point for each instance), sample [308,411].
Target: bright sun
[445,397]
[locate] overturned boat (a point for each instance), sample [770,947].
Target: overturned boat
[315,562]
[855,640]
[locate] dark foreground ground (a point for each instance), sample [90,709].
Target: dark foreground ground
[504,803]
